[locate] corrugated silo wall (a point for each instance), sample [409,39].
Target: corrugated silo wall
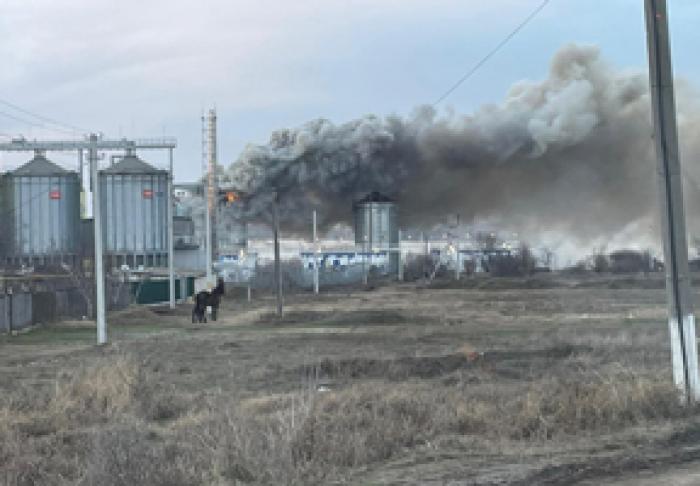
[376,228]
[5,212]
[40,216]
[134,208]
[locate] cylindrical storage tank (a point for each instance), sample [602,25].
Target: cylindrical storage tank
[377,226]
[133,201]
[40,221]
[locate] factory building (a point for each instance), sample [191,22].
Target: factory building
[133,200]
[376,227]
[40,206]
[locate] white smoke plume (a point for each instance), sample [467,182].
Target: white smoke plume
[570,155]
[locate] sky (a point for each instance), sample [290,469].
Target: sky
[149,68]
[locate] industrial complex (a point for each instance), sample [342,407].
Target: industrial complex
[169,240]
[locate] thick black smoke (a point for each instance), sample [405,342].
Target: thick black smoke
[570,155]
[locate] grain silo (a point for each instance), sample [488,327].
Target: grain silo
[133,200]
[376,226]
[40,206]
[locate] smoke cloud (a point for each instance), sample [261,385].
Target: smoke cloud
[571,155]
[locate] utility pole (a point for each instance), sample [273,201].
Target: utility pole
[171,253]
[368,246]
[400,260]
[364,260]
[316,279]
[278,269]
[426,251]
[99,261]
[681,320]
[80,169]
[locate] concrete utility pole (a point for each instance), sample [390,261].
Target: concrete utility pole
[681,319]
[426,251]
[278,268]
[400,260]
[364,260]
[366,267]
[171,211]
[316,279]
[99,260]
[81,176]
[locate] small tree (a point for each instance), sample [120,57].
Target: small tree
[601,263]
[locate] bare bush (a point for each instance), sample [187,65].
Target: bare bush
[128,455]
[120,385]
[418,267]
[520,264]
[594,403]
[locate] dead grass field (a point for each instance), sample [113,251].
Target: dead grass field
[493,382]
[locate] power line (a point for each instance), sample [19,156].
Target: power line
[35,124]
[492,52]
[46,119]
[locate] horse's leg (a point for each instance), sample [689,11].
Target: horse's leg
[214,308]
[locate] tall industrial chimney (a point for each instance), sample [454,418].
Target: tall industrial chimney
[212,182]
[209,154]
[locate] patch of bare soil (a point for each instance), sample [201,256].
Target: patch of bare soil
[370,317]
[662,459]
[135,315]
[508,364]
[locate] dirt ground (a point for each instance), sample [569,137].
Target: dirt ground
[495,344]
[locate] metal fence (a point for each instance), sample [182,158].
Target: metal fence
[19,310]
[15,311]
[294,275]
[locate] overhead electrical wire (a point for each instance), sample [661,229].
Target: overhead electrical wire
[492,52]
[45,119]
[36,124]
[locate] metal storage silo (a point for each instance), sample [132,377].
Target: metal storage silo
[133,200]
[376,226]
[40,204]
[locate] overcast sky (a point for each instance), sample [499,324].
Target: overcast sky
[147,68]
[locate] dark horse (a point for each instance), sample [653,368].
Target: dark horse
[207,298]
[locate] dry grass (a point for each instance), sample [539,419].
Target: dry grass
[106,425]
[516,380]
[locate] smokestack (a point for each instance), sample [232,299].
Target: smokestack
[212,183]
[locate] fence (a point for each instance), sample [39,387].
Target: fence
[295,275]
[19,310]
[15,311]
